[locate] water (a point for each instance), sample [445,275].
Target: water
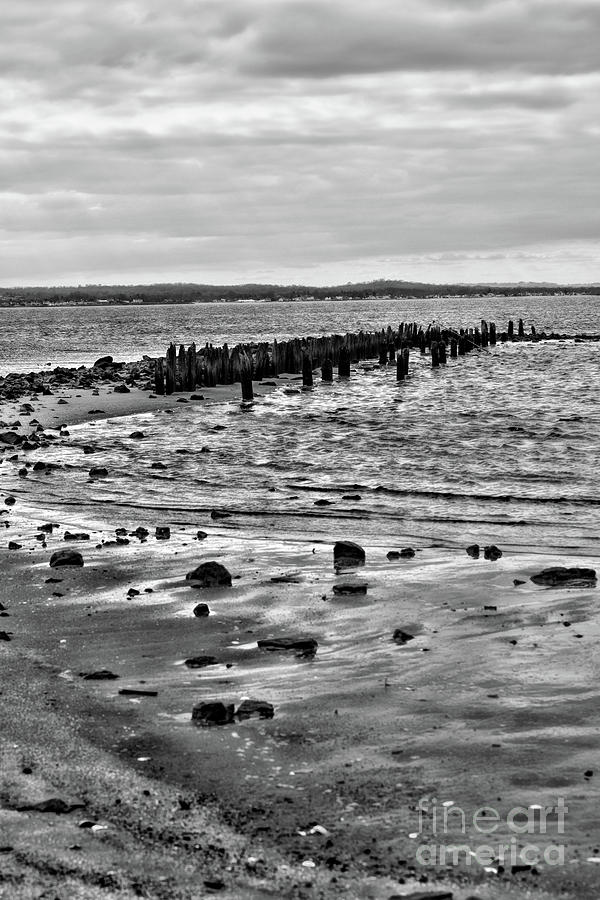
[497,446]
[33,339]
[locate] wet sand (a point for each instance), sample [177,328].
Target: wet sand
[493,702]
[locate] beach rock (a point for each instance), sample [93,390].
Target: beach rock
[492,552]
[302,646]
[98,472]
[201,535]
[137,435]
[141,532]
[347,554]
[10,437]
[209,574]
[10,501]
[402,637]
[12,545]
[52,805]
[323,503]
[66,558]
[218,514]
[199,662]
[201,611]
[255,708]
[212,713]
[162,533]
[158,465]
[559,576]
[103,361]
[76,536]
[4,636]
[100,675]
[406,553]
[473,551]
[121,389]
[351,587]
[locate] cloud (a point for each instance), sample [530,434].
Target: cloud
[278,136]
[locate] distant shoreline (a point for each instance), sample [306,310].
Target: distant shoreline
[12,300]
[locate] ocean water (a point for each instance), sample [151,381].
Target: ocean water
[499,446]
[32,339]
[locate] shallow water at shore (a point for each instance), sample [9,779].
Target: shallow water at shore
[497,447]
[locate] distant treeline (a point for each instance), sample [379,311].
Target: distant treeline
[92,294]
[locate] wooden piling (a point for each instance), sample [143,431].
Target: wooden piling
[246,380]
[159,376]
[435,359]
[170,379]
[344,363]
[327,370]
[307,375]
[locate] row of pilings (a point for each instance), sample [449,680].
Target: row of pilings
[185,369]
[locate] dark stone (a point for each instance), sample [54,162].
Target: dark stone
[121,389]
[217,514]
[201,611]
[53,805]
[251,708]
[517,581]
[212,713]
[4,636]
[98,472]
[133,592]
[103,361]
[162,532]
[209,574]
[137,692]
[196,397]
[76,536]
[303,646]
[407,553]
[402,637]
[10,501]
[100,675]
[201,535]
[10,437]
[66,558]
[158,465]
[559,576]
[492,552]
[351,497]
[358,587]
[323,503]
[137,435]
[347,554]
[473,551]
[12,545]
[199,662]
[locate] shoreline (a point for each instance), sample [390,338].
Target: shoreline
[329,732]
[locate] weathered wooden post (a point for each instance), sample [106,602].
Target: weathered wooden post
[453,348]
[435,359]
[159,376]
[405,357]
[400,374]
[246,380]
[327,370]
[344,363]
[521,329]
[511,330]
[382,355]
[307,375]
[442,353]
[392,353]
[492,334]
[171,369]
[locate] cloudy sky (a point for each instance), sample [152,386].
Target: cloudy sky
[312,141]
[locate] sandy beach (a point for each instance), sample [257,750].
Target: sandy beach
[489,699]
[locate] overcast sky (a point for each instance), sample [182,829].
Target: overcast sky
[312,141]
